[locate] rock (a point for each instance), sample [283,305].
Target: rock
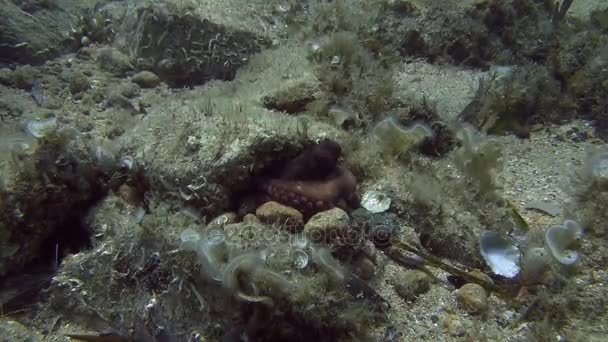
[326,225]
[114,61]
[78,82]
[129,90]
[191,48]
[365,268]
[505,318]
[25,76]
[279,214]
[293,98]
[6,76]
[146,79]
[251,218]
[116,100]
[220,154]
[32,36]
[15,331]
[453,325]
[411,284]
[472,298]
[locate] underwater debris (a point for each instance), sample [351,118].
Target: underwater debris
[550,208]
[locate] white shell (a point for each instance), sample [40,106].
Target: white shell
[126,162]
[500,253]
[375,201]
[300,258]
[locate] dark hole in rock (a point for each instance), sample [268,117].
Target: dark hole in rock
[22,288]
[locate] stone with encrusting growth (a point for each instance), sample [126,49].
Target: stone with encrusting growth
[326,225]
[472,298]
[411,284]
[282,215]
[78,82]
[146,79]
[453,325]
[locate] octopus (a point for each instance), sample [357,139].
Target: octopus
[314,181]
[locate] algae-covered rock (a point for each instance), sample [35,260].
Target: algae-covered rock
[49,182]
[114,61]
[31,35]
[281,215]
[473,298]
[294,97]
[188,46]
[216,146]
[146,79]
[410,284]
[78,82]
[12,330]
[453,325]
[327,225]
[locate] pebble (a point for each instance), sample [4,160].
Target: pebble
[6,76]
[453,325]
[282,215]
[507,317]
[116,100]
[146,79]
[78,82]
[25,76]
[129,90]
[327,225]
[472,298]
[411,284]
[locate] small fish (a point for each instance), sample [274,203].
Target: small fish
[517,218]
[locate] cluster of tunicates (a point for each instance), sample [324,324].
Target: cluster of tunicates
[260,274]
